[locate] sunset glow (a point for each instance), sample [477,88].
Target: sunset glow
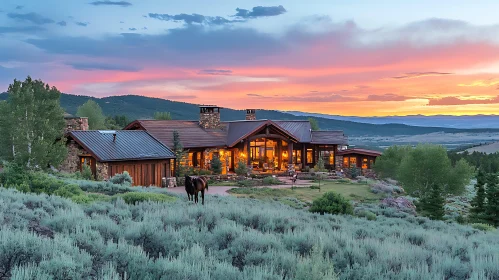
[330,58]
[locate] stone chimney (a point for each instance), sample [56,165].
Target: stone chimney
[250,114]
[75,123]
[209,116]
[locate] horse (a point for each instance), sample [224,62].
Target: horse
[194,185]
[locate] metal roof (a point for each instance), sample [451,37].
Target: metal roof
[300,129]
[360,152]
[329,137]
[190,133]
[194,136]
[129,145]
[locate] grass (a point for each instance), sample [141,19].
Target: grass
[353,191]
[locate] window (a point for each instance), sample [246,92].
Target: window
[364,163]
[310,156]
[353,162]
[346,160]
[189,159]
[297,156]
[172,167]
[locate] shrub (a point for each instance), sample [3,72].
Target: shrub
[216,165]
[332,203]
[242,168]
[86,173]
[247,183]
[69,191]
[271,181]
[367,214]
[354,172]
[315,187]
[123,179]
[136,197]
[483,227]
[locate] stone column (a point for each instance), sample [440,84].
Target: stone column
[291,166]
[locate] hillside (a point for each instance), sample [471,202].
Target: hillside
[141,107]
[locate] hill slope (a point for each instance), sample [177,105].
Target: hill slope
[141,107]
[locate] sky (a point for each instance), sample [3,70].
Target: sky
[354,58]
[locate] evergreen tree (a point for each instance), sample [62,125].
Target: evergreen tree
[31,122]
[478,202]
[92,110]
[178,149]
[162,116]
[492,206]
[216,165]
[432,204]
[319,166]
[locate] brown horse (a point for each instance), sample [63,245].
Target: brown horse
[194,185]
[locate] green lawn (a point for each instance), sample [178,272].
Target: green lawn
[353,191]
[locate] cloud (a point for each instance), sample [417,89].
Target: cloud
[215,72]
[19,7]
[132,29]
[386,97]
[452,100]
[255,95]
[84,24]
[122,22]
[192,19]
[482,83]
[111,3]
[420,74]
[62,23]
[20,29]
[102,66]
[260,11]
[30,17]
[144,28]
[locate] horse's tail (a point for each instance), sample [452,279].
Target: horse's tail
[205,181]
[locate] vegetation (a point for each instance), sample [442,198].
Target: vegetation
[116,122]
[478,203]
[488,163]
[492,206]
[356,192]
[242,168]
[92,110]
[136,197]
[314,124]
[162,116]
[216,165]
[122,179]
[86,172]
[31,119]
[319,166]
[420,168]
[432,203]
[270,180]
[332,203]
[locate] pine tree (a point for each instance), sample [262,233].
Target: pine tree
[162,116]
[492,206]
[432,204]
[180,154]
[478,202]
[216,165]
[31,123]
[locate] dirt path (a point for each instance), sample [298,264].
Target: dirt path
[223,190]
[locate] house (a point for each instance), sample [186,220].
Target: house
[107,153]
[360,158]
[284,145]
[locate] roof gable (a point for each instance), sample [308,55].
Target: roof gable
[240,130]
[129,145]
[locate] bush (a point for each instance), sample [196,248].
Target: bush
[216,165]
[86,173]
[483,227]
[136,197]
[247,183]
[267,181]
[123,179]
[68,191]
[315,187]
[242,168]
[354,172]
[332,203]
[367,214]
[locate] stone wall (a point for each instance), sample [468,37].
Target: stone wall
[71,163]
[73,123]
[250,114]
[210,120]
[339,163]
[101,170]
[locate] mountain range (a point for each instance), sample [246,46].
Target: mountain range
[141,107]
[449,121]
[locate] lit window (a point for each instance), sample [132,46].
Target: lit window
[353,162]
[364,163]
[345,162]
[310,156]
